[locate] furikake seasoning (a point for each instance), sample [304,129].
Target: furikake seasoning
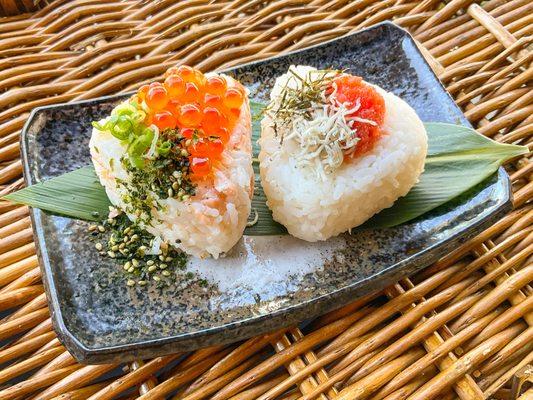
[158,169]
[124,241]
[167,175]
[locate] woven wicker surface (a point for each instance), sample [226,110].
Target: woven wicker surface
[16,7]
[463,328]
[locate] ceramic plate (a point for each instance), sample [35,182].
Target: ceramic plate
[264,282]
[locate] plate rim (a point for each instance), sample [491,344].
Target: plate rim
[155,347]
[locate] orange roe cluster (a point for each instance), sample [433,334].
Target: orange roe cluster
[204,109]
[352,89]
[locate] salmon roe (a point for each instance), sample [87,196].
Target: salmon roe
[352,89]
[200,166]
[204,109]
[156,97]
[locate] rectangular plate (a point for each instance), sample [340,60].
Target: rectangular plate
[100,319]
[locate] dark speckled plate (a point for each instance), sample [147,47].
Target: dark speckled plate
[99,319]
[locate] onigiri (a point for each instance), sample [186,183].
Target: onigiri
[335,150]
[177,158]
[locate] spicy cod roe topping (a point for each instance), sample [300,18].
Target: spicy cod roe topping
[370,113]
[204,109]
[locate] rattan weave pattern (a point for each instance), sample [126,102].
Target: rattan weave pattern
[460,329]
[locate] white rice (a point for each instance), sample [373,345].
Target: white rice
[316,209]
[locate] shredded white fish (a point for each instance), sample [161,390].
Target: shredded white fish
[151,151]
[325,138]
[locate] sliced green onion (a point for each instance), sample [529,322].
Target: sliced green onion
[139,116]
[124,109]
[148,132]
[122,127]
[137,161]
[148,136]
[98,126]
[164,148]
[126,123]
[141,143]
[137,147]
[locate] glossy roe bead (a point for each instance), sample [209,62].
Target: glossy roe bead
[156,98]
[212,117]
[164,120]
[189,116]
[215,85]
[212,100]
[187,133]
[233,98]
[191,94]
[143,90]
[175,86]
[191,75]
[200,166]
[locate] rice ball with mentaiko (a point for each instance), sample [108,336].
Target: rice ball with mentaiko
[335,150]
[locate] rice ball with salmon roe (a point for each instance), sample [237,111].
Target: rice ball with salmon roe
[177,158]
[335,150]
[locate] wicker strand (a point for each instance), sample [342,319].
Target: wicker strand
[459,327]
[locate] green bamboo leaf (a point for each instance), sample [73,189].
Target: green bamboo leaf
[76,194]
[265,225]
[458,159]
